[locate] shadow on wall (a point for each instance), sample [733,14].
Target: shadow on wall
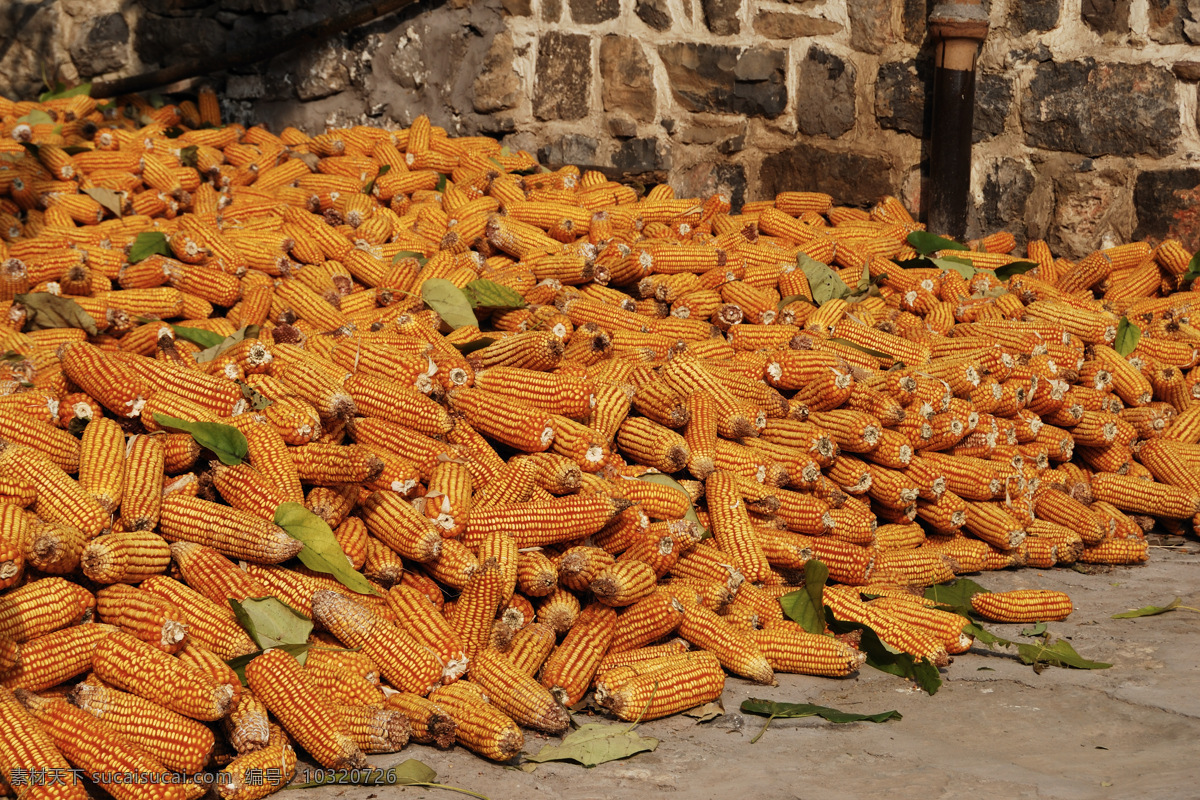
[79,40]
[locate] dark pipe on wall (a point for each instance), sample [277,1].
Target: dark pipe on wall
[958,29]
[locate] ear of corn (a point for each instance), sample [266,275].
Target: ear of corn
[653,337]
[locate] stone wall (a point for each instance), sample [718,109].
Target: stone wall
[1086,128]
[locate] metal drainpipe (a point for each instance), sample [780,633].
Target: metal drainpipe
[959,29]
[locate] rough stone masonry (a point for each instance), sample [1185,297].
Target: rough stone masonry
[1085,126]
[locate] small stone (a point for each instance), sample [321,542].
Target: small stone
[590,12]
[498,86]
[100,45]
[564,76]
[850,178]
[574,148]
[1106,16]
[870,24]
[781,25]
[552,10]
[708,130]
[628,78]
[724,79]
[734,144]
[1101,109]
[1033,15]
[721,16]
[668,125]
[621,125]
[1168,206]
[655,13]
[825,101]
[1187,71]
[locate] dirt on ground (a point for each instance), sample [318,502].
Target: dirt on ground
[995,729]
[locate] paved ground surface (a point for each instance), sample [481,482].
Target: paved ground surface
[994,730]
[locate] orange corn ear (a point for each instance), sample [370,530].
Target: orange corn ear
[735,649]
[789,648]
[261,772]
[147,616]
[374,728]
[59,497]
[479,725]
[732,528]
[42,606]
[1022,605]
[127,557]
[92,747]
[181,744]
[233,533]
[102,462]
[430,723]
[136,666]
[664,686]
[407,664]
[55,657]
[305,712]
[25,745]
[517,694]
[424,621]
[569,670]
[247,727]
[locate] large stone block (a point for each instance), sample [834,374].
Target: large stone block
[590,12]
[723,79]
[721,16]
[870,24]
[100,45]
[498,86]
[1168,206]
[850,178]
[574,148]
[1106,16]
[1007,185]
[993,100]
[326,73]
[628,78]
[564,75]
[1169,18]
[173,39]
[902,96]
[1034,15]
[642,155]
[1092,209]
[825,100]
[1101,109]
[781,25]
[914,17]
[707,178]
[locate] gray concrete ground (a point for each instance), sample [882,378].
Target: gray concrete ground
[996,729]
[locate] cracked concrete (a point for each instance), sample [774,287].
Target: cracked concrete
[995,729]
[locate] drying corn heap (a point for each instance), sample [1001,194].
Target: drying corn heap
[485,470]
